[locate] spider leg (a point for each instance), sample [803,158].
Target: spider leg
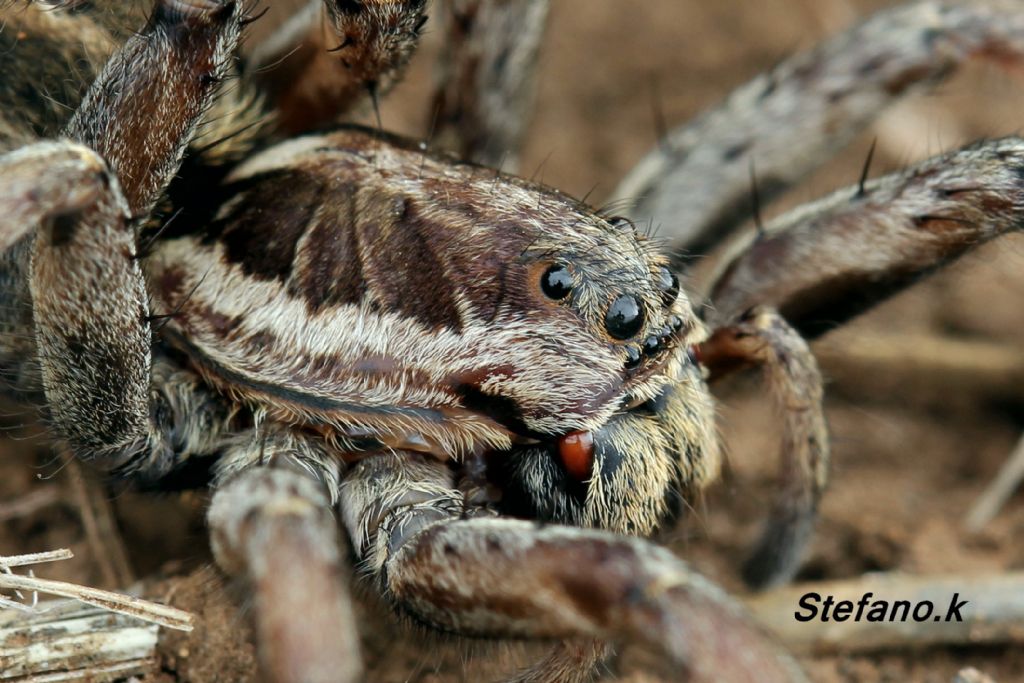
[59,329]
[785,123]
[500,577]
[332,54]
[760,337]
[274,526]
[145,106]
[485,94]
[825,262]
[66,46]
[71,179]
[90,315]
[73,325]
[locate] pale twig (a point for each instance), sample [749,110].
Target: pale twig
[21,560]
[75,642]
[972,675]
[999,491]
[7,603]
[98,672]
[114,602]
[9,561]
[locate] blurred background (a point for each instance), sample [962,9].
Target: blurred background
[914,444]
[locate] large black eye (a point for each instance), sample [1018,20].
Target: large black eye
[668,285]
[556,282]
[624,318]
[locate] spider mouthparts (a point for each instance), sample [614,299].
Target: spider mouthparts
[576,449]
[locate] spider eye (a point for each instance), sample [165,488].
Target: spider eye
[668,285]
[621,221]
[556,282]
[652,345]
[624,318]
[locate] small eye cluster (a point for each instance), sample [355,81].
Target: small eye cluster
[652,345]
[625,316]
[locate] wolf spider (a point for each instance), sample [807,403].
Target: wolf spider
[496,390]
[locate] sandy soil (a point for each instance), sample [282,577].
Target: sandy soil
[910,456]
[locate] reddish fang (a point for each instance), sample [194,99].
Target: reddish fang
[577,452]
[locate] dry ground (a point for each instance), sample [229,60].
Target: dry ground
[911,453]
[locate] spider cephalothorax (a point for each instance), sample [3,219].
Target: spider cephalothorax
[435,354]
[395,300]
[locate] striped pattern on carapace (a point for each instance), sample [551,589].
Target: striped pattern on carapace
[349,280]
